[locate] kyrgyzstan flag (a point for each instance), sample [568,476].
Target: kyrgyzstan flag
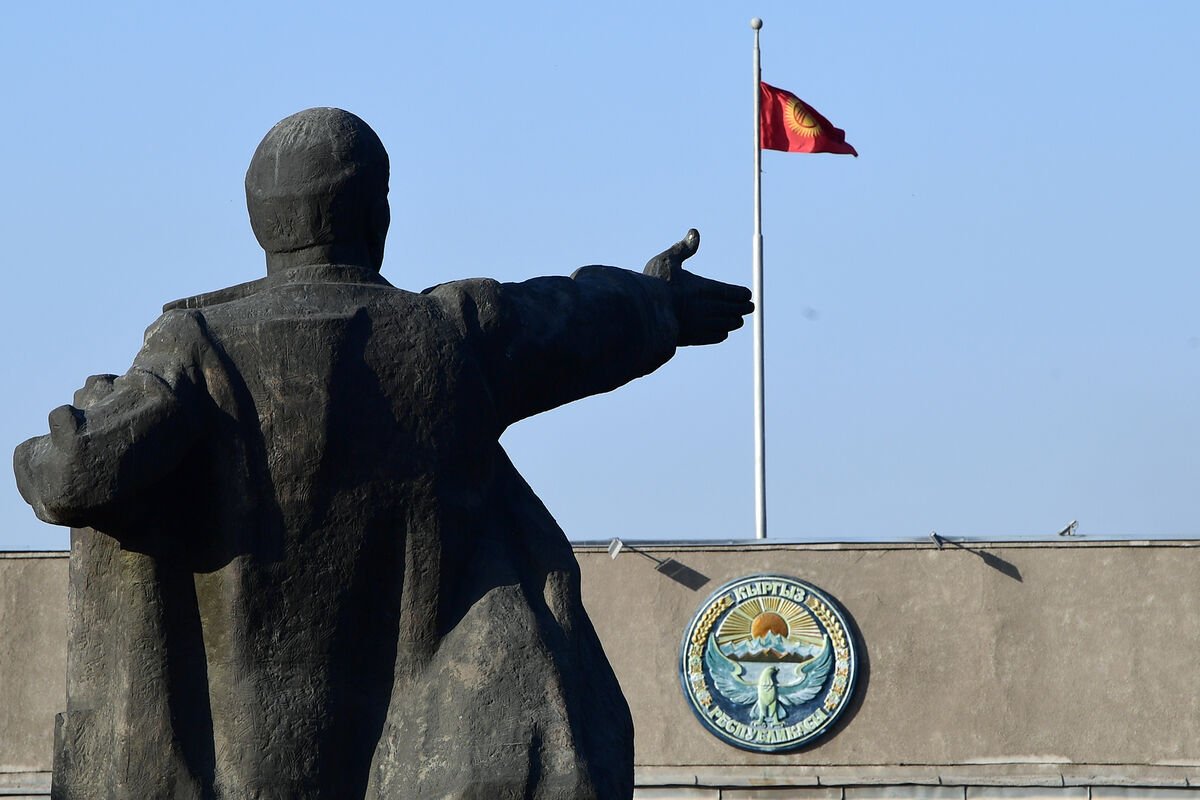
[790,124]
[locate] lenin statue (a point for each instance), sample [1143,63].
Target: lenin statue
[301,564]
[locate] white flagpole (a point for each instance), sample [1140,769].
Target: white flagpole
[760,424]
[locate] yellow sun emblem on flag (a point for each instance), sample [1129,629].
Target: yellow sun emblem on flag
[800,120]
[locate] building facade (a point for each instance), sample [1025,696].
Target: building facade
[1065,669]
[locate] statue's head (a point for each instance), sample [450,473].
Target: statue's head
[317,191]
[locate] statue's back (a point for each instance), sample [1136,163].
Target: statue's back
[368,574]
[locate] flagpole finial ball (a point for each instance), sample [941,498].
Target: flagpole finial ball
[756,23]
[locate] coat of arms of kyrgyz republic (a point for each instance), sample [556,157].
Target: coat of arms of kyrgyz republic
[768,663]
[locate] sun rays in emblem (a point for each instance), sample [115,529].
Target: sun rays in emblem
[800,119]
[762,615]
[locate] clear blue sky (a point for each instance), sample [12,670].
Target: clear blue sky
[986,325]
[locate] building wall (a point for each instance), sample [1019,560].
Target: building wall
[1000,670]
[1041,664]
[33,665]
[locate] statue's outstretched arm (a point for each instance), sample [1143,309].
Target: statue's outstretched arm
[119,437]
[549,341]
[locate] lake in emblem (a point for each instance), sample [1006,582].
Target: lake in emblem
[768,663]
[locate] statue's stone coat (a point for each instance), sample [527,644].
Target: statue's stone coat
[303,566]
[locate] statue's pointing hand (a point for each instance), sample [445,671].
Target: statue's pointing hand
[707,310]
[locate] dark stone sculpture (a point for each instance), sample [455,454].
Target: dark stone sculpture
[302,566]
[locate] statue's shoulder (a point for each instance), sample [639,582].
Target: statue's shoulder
[467,287]
[470,295]
[474,304]
[219,297]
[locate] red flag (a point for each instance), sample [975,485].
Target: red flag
[790,124]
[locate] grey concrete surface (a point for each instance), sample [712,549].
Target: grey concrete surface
[1007,666]
[33,665]
[1022,793]
[1138,793]
[910,792]
[781,794]
[1042,655]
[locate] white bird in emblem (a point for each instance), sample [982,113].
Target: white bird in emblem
[769,696]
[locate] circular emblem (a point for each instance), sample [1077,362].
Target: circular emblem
[800,119]
[768,663]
